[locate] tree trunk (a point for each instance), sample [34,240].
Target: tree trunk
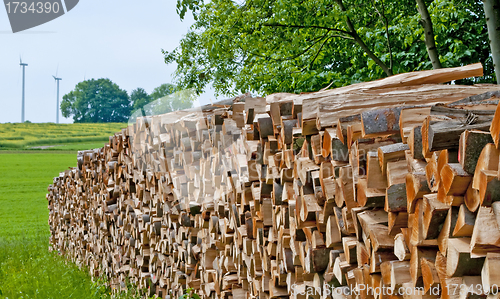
[361,43]
[492,13]
[430,43]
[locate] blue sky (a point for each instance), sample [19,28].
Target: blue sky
[119,40]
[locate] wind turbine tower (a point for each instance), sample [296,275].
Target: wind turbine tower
[23,65]
[57,108]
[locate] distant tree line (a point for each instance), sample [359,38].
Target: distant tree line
[101,100]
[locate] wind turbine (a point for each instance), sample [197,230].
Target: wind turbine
[57,108]
[23,65]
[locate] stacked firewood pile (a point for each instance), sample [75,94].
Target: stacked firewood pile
[385,189]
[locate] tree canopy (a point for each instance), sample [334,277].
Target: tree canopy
[163,90]
[96,100]
[101,100]
[271,46]
[139,98]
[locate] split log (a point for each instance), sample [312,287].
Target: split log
[391,153]
[459,260]
[486,233]
[471,145]
[488,160]
[400,247]
[465,223]
[411,118]
[495,127]
[395,199]
[490,276]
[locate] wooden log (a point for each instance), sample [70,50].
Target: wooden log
[490,277]
[415,165]
[417,225]
[349,245]
[347,188]
[391,153]
[309,127]
[414,141]
[396,199]
[338,149]
[471,145]
[343,123]
[447,229]
[397,221]
[416,188]
[496,211]
[446,134]
[411,118]
[455,179]
[380,238]
[486,233]
[432,173]
[465,223]
[430,275]
[400,274]
[264,125]
[333,235]
[317,149]
[470,287]
[495,127]
[489,187]
[287,126]
[380,122]
[375,178]
[369,197]
[488,160]
[400,247]
[353,133]
[418,254]
[434,214]
[459,260]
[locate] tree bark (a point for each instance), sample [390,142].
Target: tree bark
[361,43]
[492,13]
[430,43]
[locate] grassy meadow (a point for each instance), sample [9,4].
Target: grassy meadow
[29,136]
[27,268]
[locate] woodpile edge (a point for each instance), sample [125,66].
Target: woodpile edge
[384,189]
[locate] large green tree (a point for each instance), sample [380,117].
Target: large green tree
[96,101]
[163,90]
[139,98]
[296,46]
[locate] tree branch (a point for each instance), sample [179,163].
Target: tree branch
[315,42]
[320,48]
[430,43]
[362,44]
[307,27]
[383,17]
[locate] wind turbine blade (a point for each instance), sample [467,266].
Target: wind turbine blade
[57,69]
[54,77]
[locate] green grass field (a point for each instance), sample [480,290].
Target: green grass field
[23,136]
[27,268]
